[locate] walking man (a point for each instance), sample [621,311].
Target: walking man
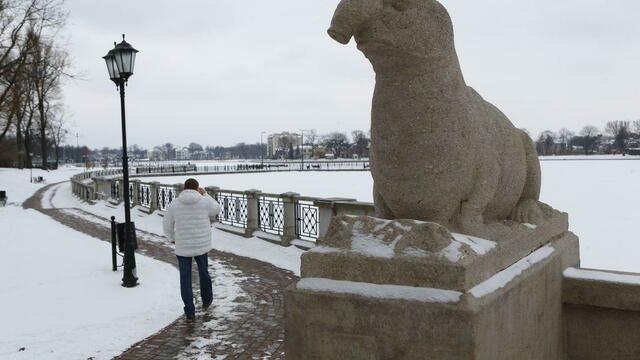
[187,224]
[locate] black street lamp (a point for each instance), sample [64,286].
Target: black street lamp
[120,62]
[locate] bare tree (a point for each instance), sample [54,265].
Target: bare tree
[168,150]
[589,134]
[49,65]
[360,143]
[613,128]
[21,22]
[335,142]
[57,130]
[564,136]
[636,126]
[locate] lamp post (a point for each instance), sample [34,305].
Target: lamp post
[120,62]
[262,150]
[302,148]
[31,168]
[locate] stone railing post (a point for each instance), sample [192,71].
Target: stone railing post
[153,196]
[289,213]
[327,209]
[325,214]
[104,188]
[136,192]
[120,190]
[96,187]
[253,212]
[178,188]
[212,191]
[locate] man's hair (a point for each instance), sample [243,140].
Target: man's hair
[191,184]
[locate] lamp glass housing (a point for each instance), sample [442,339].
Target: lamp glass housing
[125,58]
[112,68]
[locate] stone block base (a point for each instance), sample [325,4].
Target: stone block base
[515,314]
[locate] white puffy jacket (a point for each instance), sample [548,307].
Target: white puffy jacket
[186,222]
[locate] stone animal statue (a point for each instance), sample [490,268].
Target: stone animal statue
[439,151]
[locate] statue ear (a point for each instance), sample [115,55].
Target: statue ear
[399,5]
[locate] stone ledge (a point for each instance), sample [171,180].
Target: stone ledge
[605,289]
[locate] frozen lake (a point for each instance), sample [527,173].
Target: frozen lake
[601,197]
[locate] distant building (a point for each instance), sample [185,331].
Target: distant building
[279,145]
[183,154]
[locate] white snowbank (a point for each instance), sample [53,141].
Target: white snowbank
[60,299]
[627,279]
[505,276]
[18,187]
[393,292]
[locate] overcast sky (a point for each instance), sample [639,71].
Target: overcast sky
[220,72]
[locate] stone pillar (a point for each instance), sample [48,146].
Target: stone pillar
[212,191]
[104,188]
[289,217]
[136,192]
[327,210]
[253,211]
[120,190]
[325,213]
[94,188]
[153,196]
[178,187]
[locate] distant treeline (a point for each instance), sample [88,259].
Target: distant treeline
[618,137]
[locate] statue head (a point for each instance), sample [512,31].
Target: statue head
[421,28]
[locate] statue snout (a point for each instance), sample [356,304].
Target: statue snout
[349,17]
[341,36]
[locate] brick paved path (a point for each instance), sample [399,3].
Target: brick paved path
[256,329]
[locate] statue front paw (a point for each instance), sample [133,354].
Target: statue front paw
[529,211]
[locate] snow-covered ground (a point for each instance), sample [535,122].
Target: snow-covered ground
[19,188]
[59,298]
[601,197]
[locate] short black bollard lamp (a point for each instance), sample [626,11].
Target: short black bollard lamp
[120,62]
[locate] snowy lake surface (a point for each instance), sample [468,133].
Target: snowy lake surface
[601,197]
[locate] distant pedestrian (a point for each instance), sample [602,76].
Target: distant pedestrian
[187,223]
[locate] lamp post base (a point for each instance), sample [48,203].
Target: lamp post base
[129,283]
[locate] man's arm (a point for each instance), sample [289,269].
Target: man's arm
[168,225]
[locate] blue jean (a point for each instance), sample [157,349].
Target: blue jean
[186,288]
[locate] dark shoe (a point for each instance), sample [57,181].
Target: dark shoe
[205,306]
[191,317]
